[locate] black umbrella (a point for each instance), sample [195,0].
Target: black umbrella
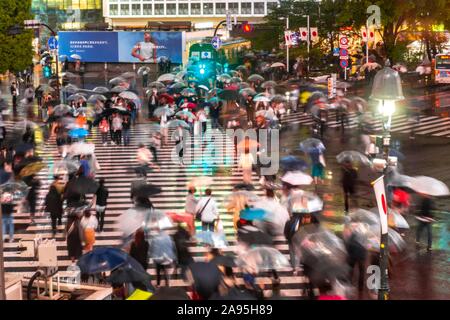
[170,293]
[254,236]
[83,185]
[145,190]
[226,261]
[228,95]
[127,274]
[207,278]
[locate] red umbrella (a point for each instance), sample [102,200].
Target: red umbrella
[191,105]
[168,98]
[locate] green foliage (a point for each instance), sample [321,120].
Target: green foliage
[15,51]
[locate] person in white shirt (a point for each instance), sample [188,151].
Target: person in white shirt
[144,158]
[117,128]
[207,206]
[145,50]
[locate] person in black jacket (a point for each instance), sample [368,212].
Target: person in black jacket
[101,198]
[54,204]
[184,257]
[139,248]
[349,177]
[425,220]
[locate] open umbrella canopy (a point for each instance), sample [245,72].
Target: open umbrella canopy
[243,85]
[127,274]
[304,202]
[76,97]
[203,87]
[212,239]
[253,236]
[255,77]
[251,214]
[278,98]
[241,68]
[188,92]
[352,156]
[224,77]
[13,191]
[75,56]
[167,77]
[185,114]
[261,98]
[102,259]
[228,95]
[83,185]
[297,178]
[132,220]
[206,278]
[118,89]
[66,167]
[101,90]
[247,91]
[235,80]
[277,65]
[70,88]
[161,111]
[429,186]
[156,84]
[129,95]
[263,259]
[96,97]
[268,84]
[292,163]
[307,144]
[32,168]
[178,123]
[117,81]
[78,133]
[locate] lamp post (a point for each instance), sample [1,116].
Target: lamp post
[386,89]
[287,45]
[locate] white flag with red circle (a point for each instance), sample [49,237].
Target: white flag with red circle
[288,38]
[364,35]
[314,34]
[380,194]
[371,35]
[303,34]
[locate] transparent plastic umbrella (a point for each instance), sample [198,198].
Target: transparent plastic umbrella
[161,111]
[268,84]
[263,259]
[117,80]
[96,97]
[429,186]
[101,90]
[129,95]
[156,84]
[352,156]
[213,239]
[255,77]
[309,143]
[167,77]
[297,178]
[304,202]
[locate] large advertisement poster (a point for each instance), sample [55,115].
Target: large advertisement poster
[127,47]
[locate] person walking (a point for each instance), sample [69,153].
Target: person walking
[155,145]
[104,130]
[14,90]
[246,162]
[318,163]
[190,208]
[100,200]
[54,203]
[143,157]
[184,256]
[73,236]
[126,125]
[207,211]
[88,224]
[117,129]
[425,220]
[31,198]
[349,178]
[162,251]
[139,248]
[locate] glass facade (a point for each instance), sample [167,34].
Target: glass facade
[70,14]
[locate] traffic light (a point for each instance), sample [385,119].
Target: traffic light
[246,27]
[47,70]
[225,67]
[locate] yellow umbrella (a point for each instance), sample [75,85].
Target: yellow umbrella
[140,295]
[32,168]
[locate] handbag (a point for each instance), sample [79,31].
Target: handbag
[198,214]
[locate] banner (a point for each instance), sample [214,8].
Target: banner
[288,38]
[304,34]
[314,34]
[380,194]
[126,47]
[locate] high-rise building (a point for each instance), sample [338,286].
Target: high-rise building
[68,14]
[137,13]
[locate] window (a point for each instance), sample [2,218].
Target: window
[271,6]
[233,8]
[258,8]
[159,9]
[113,9]
[195,8]
[136,9]
[183,9]
[246,8]
[208,8]
[124,9]
[171,9]
[220,8]
[147,8]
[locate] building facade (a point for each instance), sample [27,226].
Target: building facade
[137,13]
[68,14]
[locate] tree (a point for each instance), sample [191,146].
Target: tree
[15,50]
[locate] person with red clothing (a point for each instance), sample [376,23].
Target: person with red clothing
[401,200]
[104,130]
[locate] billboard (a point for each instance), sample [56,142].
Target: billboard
[127,47]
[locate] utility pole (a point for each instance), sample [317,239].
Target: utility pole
[287,47]
[309,41]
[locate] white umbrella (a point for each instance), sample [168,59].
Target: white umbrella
[166,77]
[297,178]
[203,87]
[70,88]
[76,56]
[352,156]
[117,80]
[429,186]
[186,114]
[128,95]
[277,65]
[156,84]
[304,201]
[263,259]
[79,148]
[276,213]
[95,97]
[143,71]
[101,89]
[131,220]
[370,66]
[118,89]
[261,98]
[159,112]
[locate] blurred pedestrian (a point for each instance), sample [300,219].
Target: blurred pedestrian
[100,200]
[246,162]
[117,129]
[349,179]
[184,256]
[104,130]
[139,248]
[190,208]
[88,224]
[206,210]
[425,219]
[126,125]
[54,203]
[162,250]
[318,163]
[73,236]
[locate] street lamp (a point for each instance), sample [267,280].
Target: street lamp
[386,89]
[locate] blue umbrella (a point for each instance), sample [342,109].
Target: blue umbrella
[78,133]
[251,214]
[102,259]
[292,163]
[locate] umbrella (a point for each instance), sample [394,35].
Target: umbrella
[32,168]
[429,186]
[226,261]
[253,236]
[369,66]
[201,181]
[247,91]
[167,77]
[278,98]
[129,95]
[251,214]
[161,111]
[276,212]
[185,114]
[23,148]
[156,84]
[76,56]
[178,86]
[235,80]
[178,123]
[229,95]
[277,65]
[83,185]
[181,75]
[66,167]
[96,97]
[297,178]
[224,77]
[170,293]
[243,85]
[396,220]
[352,156]
[268,84]
[213,239]
[146,190]
[46,88]
[13,191]
[261,98]
[70,88]
[101,90]
[78,133]
[364,216]
[69,75]
[188,92]
[101,260]
[132,220]
[292,163]
[117,80]
[76,96]
[304,202]
[206,277]
[143,71]
[127,274]
[118,89]
[255,77]
[309,143]
[263,259]
[203,87]
[241,67]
